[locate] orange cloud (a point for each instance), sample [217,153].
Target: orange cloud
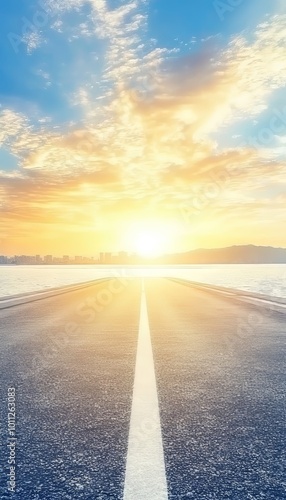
[152,156]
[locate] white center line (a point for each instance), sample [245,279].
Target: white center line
[145,477]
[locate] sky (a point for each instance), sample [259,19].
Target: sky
[145,125]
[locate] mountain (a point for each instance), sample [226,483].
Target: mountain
[244,254]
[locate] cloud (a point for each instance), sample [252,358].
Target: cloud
[33,41]
[56,6]
[121,31]
[219,87]
[152,148]
[11,124]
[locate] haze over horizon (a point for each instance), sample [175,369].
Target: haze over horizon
[145,126]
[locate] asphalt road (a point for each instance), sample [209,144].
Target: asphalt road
[220,374]
[220,367]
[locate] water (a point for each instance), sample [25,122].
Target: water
[269,279]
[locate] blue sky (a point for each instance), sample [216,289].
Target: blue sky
[39,80]
[132,108]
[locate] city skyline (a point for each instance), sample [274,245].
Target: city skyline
[149,126]
[234,254]
[102,257]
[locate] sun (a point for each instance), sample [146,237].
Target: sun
[150,238]
[149,243]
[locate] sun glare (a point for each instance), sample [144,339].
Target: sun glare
[149,243]
[150,239]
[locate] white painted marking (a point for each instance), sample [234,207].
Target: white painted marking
[145,477]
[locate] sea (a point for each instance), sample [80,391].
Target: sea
[267,279]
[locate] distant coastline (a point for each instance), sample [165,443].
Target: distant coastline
[243,254]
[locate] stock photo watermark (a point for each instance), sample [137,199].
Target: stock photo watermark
[207,193]
[224,8]
[251,324]
[88,310]
[147,427]
[40,19]
[202,198]
[11,439]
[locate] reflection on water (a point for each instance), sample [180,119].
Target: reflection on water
[269,279]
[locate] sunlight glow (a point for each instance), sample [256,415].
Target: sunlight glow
[149,243]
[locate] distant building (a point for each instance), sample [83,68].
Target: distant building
[24,260]
[107,258]
[3,259]
[48,259]
[66,259]
[123,257]
[57,260]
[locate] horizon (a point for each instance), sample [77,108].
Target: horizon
[99,257]
[156,129]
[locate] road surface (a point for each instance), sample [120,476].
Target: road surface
[124,392]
